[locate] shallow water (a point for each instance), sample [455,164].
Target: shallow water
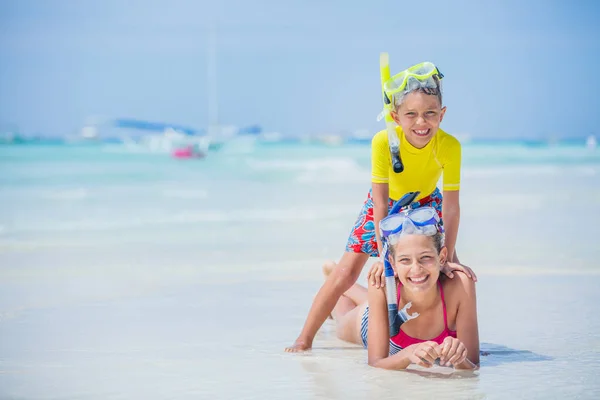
[225,340]
[133,276]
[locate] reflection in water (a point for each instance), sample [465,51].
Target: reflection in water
[496,354]
[338,370]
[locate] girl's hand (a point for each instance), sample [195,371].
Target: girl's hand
[452,352]
[449,268]
[424,354]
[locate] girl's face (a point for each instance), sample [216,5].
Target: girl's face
[417,262]
[420,116]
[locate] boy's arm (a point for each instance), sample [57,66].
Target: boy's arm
[380,166]
[380,208]
[450,205]
[451,210]
[451,216]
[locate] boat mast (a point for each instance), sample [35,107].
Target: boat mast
[213,106]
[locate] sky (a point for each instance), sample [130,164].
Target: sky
[512,68]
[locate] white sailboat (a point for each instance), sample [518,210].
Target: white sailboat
[231,139]
[591,142]
[217,133]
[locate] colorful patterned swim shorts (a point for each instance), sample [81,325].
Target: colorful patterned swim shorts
[362,237]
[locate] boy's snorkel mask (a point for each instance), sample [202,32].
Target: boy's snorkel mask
[421,76]
[420,221]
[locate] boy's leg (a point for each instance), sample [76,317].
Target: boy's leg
[343,276]
[351,298]
[349,309]
[357,293]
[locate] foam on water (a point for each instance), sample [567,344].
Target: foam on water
[186,193]
[67,194]
[170,219]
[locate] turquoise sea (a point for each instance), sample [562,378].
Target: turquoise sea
[128,274]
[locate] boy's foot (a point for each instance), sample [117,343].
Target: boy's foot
[301,344]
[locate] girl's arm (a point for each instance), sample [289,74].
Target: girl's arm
[378,334]
[380,207]
[379,340]
[466,321]
[451,217]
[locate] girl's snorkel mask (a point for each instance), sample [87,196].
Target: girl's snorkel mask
[425,76]
[420,221]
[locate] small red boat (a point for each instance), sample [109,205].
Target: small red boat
[187,152]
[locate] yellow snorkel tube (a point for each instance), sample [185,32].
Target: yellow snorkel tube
[390,124]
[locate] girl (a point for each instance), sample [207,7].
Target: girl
[445,323]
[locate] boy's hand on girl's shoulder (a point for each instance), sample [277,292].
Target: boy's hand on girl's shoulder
[376,275]
[449,268]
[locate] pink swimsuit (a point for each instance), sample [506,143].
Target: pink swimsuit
[402,340]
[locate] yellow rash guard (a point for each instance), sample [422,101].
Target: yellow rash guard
[422,167]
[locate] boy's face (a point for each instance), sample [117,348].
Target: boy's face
[420,116]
